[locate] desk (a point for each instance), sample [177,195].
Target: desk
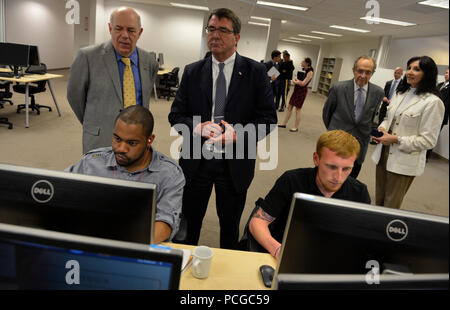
[30,78]
[230,270]
[160,73]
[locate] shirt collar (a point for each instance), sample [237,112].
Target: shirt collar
[226,62]
[154,164]
[133,57]
[356,86]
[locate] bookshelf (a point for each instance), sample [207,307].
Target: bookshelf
[329,74]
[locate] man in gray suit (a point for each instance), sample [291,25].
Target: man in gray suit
[96,87]
[352,104]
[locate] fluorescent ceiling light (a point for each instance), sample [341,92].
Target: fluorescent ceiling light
[387,21]
[436,3]
[327,33]
[299,39]
[188,6]
[260,18]
[284,6]
[312,37]
[349,29]
[258,24]
[287,40]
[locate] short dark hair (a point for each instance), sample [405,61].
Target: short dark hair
[286,53]
[428,82]
[227,13]
[308,61]
[275,53]
[137,114]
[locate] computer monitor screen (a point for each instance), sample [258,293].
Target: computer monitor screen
[79,204]
[14,54]
[33,59]
[331,236]
[161,59]
[38,259]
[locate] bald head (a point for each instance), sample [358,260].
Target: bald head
[124,10]
[398,72]
[125,29]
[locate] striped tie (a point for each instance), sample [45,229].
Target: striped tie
[129,92]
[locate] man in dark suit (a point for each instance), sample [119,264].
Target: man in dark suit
[443,94]
[351,106]
[285,77]
[217,96]
[389,89]
[274,81]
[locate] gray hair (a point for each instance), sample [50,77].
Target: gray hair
[365,57]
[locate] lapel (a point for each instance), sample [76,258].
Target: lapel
[206,84]
[413,101]
[144,68]
[350,98]
[236,78]
[109,59]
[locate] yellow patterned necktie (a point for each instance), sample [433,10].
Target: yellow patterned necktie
[129,92]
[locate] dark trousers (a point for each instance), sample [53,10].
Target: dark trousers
[275,90]
[229,203]
[283,93]
[356,169]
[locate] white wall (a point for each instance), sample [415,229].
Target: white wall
[349,52]
[403,49]
[253,42]
[175,32]
[41,23]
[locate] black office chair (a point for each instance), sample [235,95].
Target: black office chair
[181,235]
[4,95]
[33,88]
[170,81]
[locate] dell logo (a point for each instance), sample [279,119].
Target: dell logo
[397,230]
[42,191]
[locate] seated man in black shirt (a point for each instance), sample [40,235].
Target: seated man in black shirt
[335,154]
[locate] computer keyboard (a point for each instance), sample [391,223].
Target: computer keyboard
[7,74]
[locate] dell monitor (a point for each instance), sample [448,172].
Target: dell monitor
[14,55]
[328,236]
[33,258]
[78,204]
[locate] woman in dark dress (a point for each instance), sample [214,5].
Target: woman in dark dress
[299,95]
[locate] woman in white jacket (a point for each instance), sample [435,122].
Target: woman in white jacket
[410,128]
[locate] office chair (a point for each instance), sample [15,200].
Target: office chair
[181,235]
[33,88]
[4,95]
[170,81]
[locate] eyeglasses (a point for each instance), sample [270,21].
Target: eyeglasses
[222,30]
[361,71]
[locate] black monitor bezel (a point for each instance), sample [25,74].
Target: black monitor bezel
[349,205]
[96,245]
[433,281]
[62,175]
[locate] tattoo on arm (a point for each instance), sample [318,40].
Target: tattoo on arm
[261,214]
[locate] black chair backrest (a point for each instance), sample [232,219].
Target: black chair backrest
[40,69]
